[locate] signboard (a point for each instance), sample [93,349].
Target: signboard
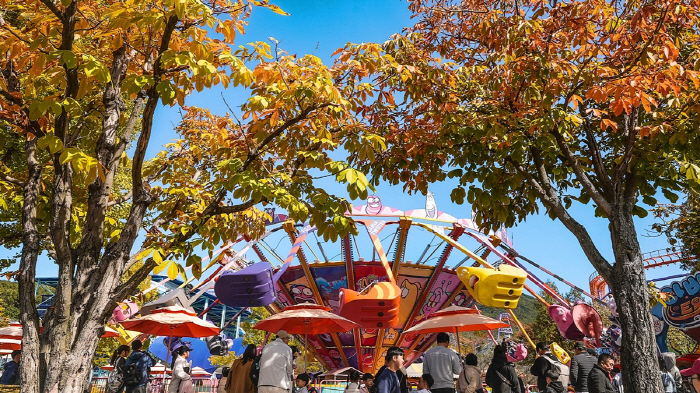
[683,310]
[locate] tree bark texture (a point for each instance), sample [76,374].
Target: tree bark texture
[629,287]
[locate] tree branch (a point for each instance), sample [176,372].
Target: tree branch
[580,174]
[52,7]
[11,180]
[553,202]
[598,164]
[630,123]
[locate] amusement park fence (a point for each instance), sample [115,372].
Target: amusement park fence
[201,385]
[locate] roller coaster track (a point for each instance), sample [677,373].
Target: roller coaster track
[652,259]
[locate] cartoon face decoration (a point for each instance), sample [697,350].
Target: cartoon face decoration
[408,288]
[430,206]
[435,300]
[374,204]
[301,293]
[658,325]
[459,300]
[367,359]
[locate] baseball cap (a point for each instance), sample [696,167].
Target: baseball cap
[282,334]
[693,370]
[580,345]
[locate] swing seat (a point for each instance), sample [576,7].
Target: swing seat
[500,287]
[126,336]
[378,308]
[565,322]
[253,286]
[587,321]
[124,311]
[176,297]
[560,353]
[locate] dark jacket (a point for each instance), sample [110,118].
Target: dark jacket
[10,374]
[581,366]
[540,367]
[599,381]
[498,384]
[143,362]
[555,387]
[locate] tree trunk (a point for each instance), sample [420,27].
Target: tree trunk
[68,369]
[629,287]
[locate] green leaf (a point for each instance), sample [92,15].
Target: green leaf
[68,58]
[180,8]
[70,154]
[52,142]
[639,212]
[671,196]
[167,92]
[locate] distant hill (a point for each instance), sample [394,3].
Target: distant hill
[525,312]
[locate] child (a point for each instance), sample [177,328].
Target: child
[367,382]
[553,383]
[425,383]
[354,382]
[301,382]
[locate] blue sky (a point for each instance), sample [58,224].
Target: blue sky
[320,27]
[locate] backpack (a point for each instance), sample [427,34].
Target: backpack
[255,370]
[114,381]
[132,372]
[562,368]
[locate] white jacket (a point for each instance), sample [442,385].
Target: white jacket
[179,374]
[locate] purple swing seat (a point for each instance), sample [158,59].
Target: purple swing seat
[253,286]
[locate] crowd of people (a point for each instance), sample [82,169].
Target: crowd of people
[587,372]
[272,371]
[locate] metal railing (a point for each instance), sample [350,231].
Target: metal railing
[201,385]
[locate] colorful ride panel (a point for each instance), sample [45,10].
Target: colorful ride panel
[331,278]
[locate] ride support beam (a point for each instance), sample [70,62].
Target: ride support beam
[456,232]
[350,273]
[320,342]
[292,233]
[404,226]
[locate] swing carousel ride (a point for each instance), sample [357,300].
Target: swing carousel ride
[384,292]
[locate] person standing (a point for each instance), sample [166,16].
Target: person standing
[553,383]
[470,377]
[442,364]
[10,374]
[425,383]
[581,365]
[302,382]
[693,373]
[367,383]
[181,381]
[238,380]
[501,375]
[542,365]
[353,382]
[136,380]
[670,360]
[276,368]
[115,381]
[221,387]
[387,381]
[617,380]
[666,377]
[599,378]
